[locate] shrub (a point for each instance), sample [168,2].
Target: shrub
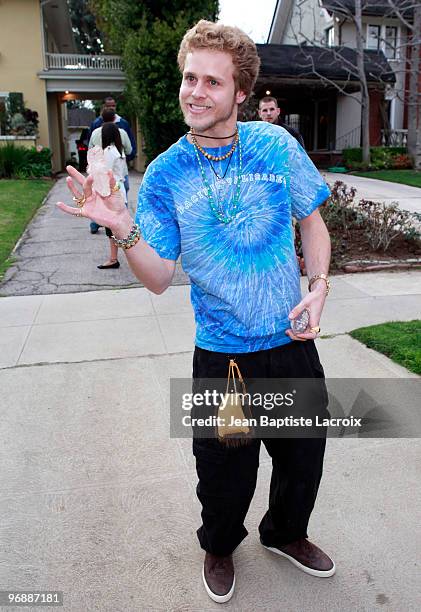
[15,103]
[19,162]
[381,223]
[381,158]
[352,155]
[12,159]
[16,118]
[24,124]
[384,222]
[40,155]
[339,212]
[401,162]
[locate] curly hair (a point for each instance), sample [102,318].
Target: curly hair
[232,40]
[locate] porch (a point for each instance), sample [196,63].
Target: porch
[70,76]
[70,73]
[321,99]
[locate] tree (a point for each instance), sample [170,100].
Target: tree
[414,88]
[354,63]
[365,97]
[409,14]
[148,35]
[86,34]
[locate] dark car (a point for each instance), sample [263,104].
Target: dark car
[82,149]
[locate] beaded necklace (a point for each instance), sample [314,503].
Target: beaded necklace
[217,207]
[215,157]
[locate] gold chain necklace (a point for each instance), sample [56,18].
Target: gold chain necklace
[215,157]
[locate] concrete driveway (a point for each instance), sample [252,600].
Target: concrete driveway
[98,500]
[58,254]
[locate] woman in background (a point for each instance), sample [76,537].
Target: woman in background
[116,161]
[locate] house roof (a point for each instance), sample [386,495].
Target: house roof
[307,61]
[373,8]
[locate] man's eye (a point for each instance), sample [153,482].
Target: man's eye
[189,77]
[213,82]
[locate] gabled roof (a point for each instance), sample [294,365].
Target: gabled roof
[306,60]
[373,8]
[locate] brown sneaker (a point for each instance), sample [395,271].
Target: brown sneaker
[306,556]
[218,577]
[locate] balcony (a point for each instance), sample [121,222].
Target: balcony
[82,73]
[70,61]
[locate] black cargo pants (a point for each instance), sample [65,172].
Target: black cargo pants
[227,475]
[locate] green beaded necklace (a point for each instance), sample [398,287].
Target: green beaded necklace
[216,207]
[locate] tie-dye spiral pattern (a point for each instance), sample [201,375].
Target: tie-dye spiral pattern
[244,275]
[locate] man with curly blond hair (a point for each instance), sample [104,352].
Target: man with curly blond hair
[223,197]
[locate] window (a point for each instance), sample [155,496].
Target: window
[330,37]
[373,37]
[3,112]
[390,42]
[384,38]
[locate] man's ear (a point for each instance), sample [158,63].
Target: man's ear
[240,96]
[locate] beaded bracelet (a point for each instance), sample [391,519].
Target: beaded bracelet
[132,239]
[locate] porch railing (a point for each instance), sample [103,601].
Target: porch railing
[394,138]
[389,138]
[349,140]
[70,61]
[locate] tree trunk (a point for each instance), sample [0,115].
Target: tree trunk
[414,102]
[417,153]
[365,99]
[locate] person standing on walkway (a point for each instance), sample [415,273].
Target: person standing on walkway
[108,116]
[223,196]
[269,111]
[115,159]
[110,104]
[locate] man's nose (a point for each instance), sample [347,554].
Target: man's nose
[198,91]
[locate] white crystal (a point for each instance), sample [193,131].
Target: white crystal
[99,170]
[300,323]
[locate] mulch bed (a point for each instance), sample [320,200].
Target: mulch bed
[352,253]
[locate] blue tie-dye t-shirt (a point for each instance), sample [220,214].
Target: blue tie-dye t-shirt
[244,274]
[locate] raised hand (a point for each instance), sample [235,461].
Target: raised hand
[105,211]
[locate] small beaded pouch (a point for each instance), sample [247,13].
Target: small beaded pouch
[232,423]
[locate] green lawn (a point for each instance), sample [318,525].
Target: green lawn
[19,200]
[407,177]
[401,341]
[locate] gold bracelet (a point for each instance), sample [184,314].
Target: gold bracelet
[323,277]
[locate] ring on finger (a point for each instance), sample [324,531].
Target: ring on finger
[315,330]
[115,188]
[80,201]
[79,213]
